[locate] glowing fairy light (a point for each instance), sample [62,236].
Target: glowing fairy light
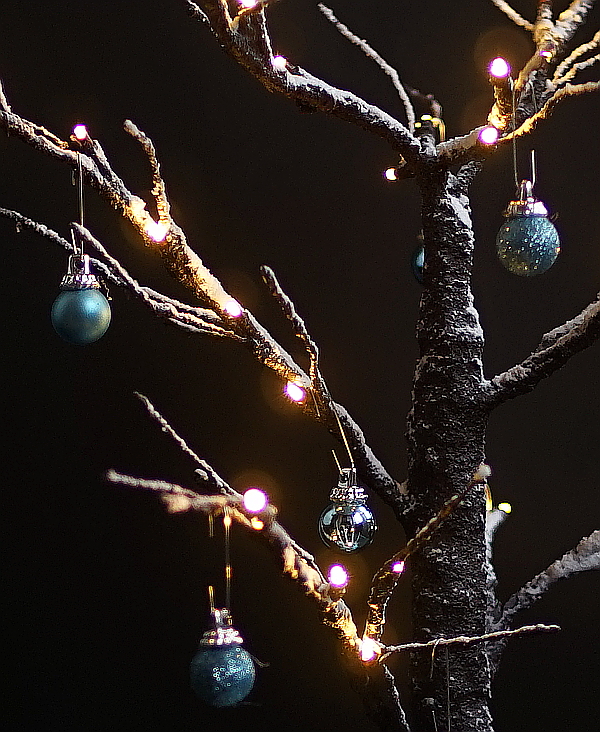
[156,230]
[227,520]
[505,507]
[256,523]
[280,63]
[390,174]
[369,649]
[489,135]
[294,392]
[398,567]
[499,68]
[233,308]
[337,576]
[248,3]
[80,132]
[255,500]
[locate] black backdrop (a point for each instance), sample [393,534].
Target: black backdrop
[107,593]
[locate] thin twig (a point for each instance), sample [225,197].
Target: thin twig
[584,557]
[465,640]
[372,54]
[513,15]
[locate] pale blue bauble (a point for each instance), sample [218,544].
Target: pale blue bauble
[527,245]
[81,316]
[222,676]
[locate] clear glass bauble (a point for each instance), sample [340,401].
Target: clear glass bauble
[347,526]
[222,676]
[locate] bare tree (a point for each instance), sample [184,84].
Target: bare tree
[460,626]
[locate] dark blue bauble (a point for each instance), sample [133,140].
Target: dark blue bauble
[527,245]
[222,676]
[417,262]
[81,316]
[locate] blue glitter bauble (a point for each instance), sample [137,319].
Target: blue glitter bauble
[417,262]
[527,245]
[222,676]
[81,316]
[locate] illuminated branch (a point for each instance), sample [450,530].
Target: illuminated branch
[554,350]
[584,557]
[372,54]
[463,640]
[297,563]
[249,44]
[562,72]
[230,319]
[386,578]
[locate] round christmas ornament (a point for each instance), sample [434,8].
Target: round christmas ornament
[417,262]
[347,523]
[527,243]
[80,313]
[222,672]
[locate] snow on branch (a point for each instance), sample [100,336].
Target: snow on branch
[223,315]
[386,578]
[372,54]
[585,556]
[513,15]
[554,350]
[248,42]
[465,640]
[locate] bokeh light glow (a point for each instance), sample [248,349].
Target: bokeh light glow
[337,576]
[156,231]
[255,500]
[294,392]
[280,62]
[369,649]
[80,132]
[489,135]
[499,68]
[398,567]
[233,308]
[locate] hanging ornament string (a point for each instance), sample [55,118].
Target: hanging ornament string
[222,672]
[527,243]
[80,313]
[347,522]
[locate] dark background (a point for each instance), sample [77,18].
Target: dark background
[107,593]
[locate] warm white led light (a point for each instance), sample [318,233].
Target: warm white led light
[369,649]
[506,507]
[294,392]
[255,500]
[80,132]
[398,567]
[337,576]
[280,62]
[233,308]
[499,68]
[390,174]
[156,230]
[489,135]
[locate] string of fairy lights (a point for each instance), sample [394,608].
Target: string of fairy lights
[222,672]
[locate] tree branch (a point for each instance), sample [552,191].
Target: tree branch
[553,352]
[249,44]
[585,556]
[185,266]
[372,54]
[386,578]
[513,15]
[464,640]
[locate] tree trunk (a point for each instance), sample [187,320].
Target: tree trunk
[446,433]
